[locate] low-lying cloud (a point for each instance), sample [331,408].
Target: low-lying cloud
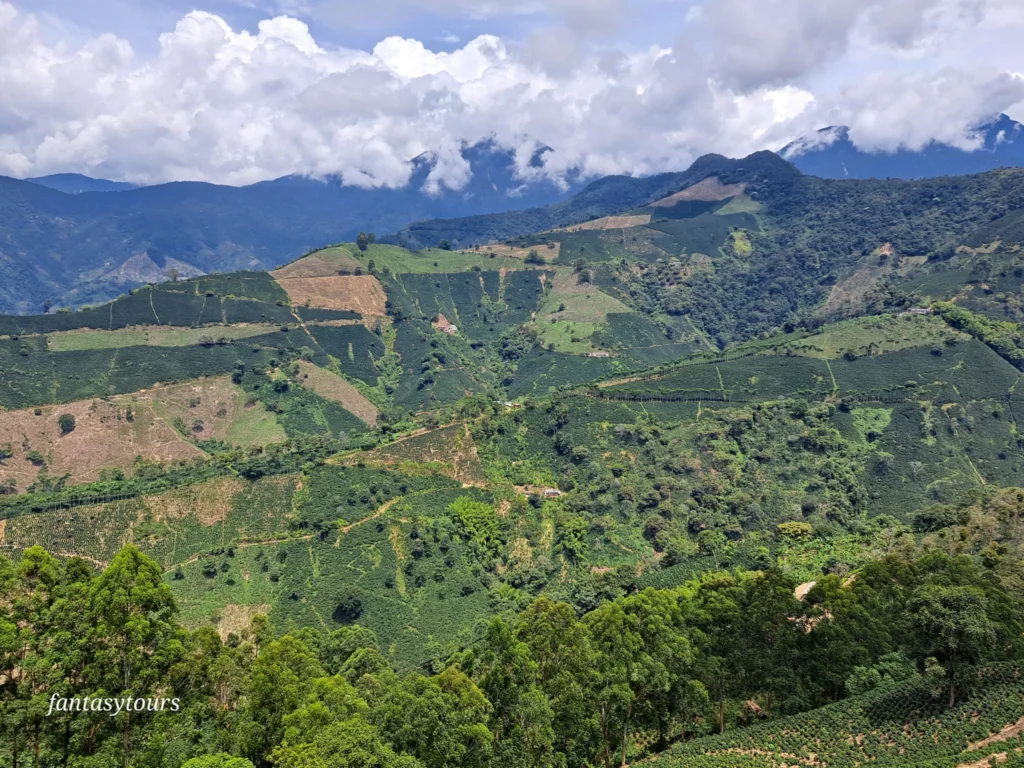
[232,106]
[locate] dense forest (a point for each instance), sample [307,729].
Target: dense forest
[546,686]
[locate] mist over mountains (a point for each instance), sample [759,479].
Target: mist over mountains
[831,154]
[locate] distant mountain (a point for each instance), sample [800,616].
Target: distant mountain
[76,183]
[831,154]
[89,246]
[609,195]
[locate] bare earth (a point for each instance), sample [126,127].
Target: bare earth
[548,254]
[103,437]
[333,387]
[710,190]
[236,618]
[316,265]
[356,293]
[610,222]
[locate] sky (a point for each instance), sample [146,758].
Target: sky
[239,91]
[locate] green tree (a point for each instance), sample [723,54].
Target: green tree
[440,720]
[521,716]
[66,422]
[642,651]
[362,241]
[953,626]
[560,647]
[280,681]
[135,640]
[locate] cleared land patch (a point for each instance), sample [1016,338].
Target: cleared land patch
[548,252]
[709,190]
[609,222]
[234,619]
[451,450]
[356,293]
[572,312]
[876,335]
[742,203]
[151,335]
[107,433]
[210,501]
[348,258]
[331,386]
[321,264]
[156,424]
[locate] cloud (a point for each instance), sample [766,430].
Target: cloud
[232,106]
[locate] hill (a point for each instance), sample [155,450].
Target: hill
[76,183]
[831,154]
[633,481]
[73,249]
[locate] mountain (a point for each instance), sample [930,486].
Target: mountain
[76,183]
[80,248]
[728,478]
[831,154]
[604,197]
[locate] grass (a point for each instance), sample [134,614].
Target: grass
[253,425]
[872,335]
[567,336]
[153,336]
[572,312]
[740,204]
[399,260]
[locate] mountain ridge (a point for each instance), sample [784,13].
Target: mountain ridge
[830,153]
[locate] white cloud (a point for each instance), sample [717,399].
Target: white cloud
[225,105]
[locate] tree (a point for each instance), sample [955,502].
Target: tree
[66,422]
[440,720]
[220,760]
[642,651]
[362,241]
[331,730]
[560,647]
[521,715]
[281,679]
[444,245]
[135,640]
[953,626]
[533,257]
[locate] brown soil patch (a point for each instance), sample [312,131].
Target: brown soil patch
[985,762]
[331,386]
[1011,731]
[801,591]
[548,254]
[103,437]
[710,190]
[237,618]
[356,293]
[324,264]
[3,533]
[609,222]
[210,501]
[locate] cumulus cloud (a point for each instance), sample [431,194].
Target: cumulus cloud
[232,106]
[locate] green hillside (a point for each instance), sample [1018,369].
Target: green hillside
[748,451]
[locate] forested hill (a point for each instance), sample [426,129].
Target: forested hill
[88,246]
[610,195]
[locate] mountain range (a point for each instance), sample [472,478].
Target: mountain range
[68,240]
[831,154]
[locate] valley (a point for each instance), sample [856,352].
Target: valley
[770,409]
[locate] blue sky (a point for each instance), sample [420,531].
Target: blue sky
[235,91]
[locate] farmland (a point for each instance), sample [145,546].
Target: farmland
[742,522]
